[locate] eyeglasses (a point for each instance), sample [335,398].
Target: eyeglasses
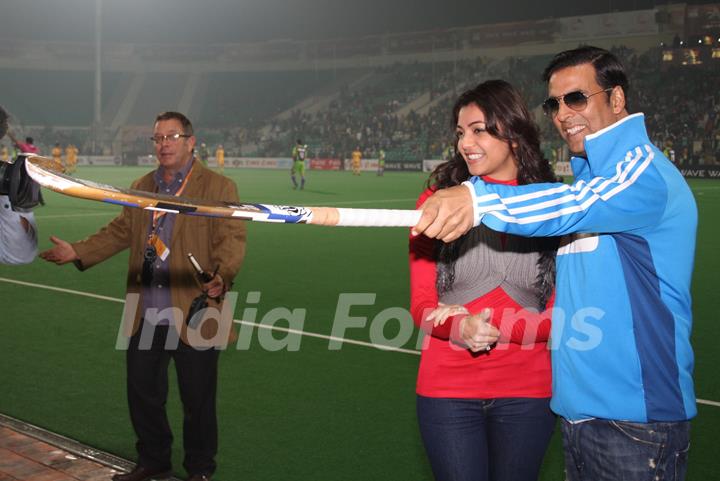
[576,100]
[172,138]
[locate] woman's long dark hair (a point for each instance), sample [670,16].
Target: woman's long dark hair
[506,118]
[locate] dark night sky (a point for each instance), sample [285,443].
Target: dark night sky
[200,21]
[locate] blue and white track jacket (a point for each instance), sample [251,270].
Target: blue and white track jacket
[622,320]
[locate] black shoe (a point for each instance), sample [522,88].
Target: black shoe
[141,473]
[199,477]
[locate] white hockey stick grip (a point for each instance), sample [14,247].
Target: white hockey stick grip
[378,217]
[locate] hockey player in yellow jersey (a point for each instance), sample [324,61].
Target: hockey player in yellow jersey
[220,158]
[56,153]
[71,158]
[356,156]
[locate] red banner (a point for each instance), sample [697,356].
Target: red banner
[325,164]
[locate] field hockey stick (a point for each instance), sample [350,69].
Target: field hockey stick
[43,171]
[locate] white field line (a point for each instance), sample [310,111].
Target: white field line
[261,326]
[708,403]
[330,338]
[237,321]
[60,289]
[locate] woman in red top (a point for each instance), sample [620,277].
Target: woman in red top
[484,381]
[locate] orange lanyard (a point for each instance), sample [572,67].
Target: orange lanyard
[158,214]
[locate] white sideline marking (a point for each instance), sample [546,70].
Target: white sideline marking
[708,403]
[262,326]
[330,338]
[60,289]
[237,321]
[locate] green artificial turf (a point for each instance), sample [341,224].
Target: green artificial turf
[308,414]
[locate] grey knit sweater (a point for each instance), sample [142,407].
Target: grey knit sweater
[483,264]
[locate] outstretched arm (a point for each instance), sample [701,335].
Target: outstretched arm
[632,198]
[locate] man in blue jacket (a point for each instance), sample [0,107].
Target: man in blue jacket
[622,360]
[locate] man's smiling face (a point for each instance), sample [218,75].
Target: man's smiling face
[602,110]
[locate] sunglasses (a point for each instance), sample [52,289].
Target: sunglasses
[576,100]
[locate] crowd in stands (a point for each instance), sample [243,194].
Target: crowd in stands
[404,109]
[681,104]
[683,109]
[374,115]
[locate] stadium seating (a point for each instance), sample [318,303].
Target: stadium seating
[404,108]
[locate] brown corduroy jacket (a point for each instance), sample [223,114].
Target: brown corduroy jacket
[213,242]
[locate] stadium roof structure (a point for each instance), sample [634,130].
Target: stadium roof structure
[223,21]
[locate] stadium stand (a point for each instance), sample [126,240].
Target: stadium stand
[399,102]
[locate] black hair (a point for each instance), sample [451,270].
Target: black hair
[184,121]
[609,71]
[506,118]
[299,141]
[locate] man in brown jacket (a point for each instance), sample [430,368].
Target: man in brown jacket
[162,284]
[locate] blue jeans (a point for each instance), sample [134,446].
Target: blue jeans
[603,450]
[485,439]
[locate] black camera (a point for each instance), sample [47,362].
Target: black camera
[24,193]
[15,182]
[197,305]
